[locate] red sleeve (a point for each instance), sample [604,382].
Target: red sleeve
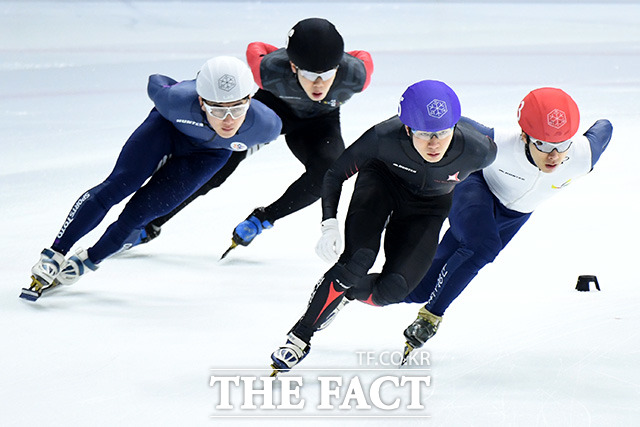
[365,57]
[255,52]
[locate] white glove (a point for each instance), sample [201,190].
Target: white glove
[330,245]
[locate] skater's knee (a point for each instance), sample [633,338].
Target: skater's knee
[110,193]
[389,289]
[485,250]
[380,289]
[363,289]
[348,272]
[360,262]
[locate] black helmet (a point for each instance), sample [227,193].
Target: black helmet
[314,44]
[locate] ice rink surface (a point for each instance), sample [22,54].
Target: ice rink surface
[135,343]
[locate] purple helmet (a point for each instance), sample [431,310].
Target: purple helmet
[430,106]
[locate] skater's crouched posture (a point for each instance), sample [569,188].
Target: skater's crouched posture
[306,84]
[188,136]
[407,169]
[535,160]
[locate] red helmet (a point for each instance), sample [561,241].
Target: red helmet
[549,114]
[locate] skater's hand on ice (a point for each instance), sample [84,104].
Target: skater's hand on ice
[330,245]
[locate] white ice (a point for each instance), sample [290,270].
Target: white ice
[136,342]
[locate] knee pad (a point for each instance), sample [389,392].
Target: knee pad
[349,273]
[363,289]
[389,289]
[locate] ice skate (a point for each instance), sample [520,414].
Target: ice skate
[74,267]
[289,355]
[43,274]
[148,233]
[48,267]
[247,230]
[417,333]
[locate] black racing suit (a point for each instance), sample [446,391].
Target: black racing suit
[396,187]
[311,128]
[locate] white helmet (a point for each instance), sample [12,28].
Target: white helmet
[225,79]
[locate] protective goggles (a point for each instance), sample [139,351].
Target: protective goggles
[310,75]
[428,135]
[236,111]
[548,147]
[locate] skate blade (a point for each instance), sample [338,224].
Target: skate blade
[233,246]
[408,348]
[35,290]
[29,295]
[277,370]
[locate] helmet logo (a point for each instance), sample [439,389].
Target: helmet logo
[520,107]
[227,82]
[556,118]
[291,31]
[437,108]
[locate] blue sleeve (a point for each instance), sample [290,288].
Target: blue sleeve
[478,126]
[160,97]
[174,99]
[268,124]
[599,136]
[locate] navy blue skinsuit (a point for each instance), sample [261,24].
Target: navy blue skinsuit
[480,228]
[177,148]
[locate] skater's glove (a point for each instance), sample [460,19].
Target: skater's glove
[330,245]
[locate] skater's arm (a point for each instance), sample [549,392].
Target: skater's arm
[347,165]
[255,52]
[365,57]
[599,136]
[485,130]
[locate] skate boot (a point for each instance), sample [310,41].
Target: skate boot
[247,230]
[417,333]
[424,327]
[43,274]
[148,233]
[289,355]
[74,267]
[48,267]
